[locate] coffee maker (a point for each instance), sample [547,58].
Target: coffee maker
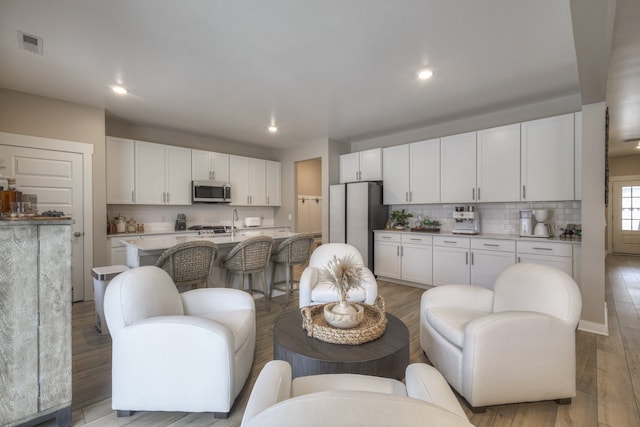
[526,223]
[467,220]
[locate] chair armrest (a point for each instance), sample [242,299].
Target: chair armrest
[273,385]
[458,296]
[424,382]
[207,300]
[520,347]
[308,280]
[370,285]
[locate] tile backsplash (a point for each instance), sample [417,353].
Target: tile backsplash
[162,218]
[498,218]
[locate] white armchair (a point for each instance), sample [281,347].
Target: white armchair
[189,352]
[515,343]
[314,291]
[351,399]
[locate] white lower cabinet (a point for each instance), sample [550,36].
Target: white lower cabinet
[445,260]
[404,256]
[559,255]
[489,258]
[451,260]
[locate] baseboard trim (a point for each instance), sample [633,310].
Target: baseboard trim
[596,328]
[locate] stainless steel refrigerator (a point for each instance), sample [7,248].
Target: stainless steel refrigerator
[355,210]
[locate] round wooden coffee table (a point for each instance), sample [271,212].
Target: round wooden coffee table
[387,356]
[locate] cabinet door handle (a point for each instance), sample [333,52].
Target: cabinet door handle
[164,197]
[449,241]
[466,258]
[133,195]
[491,244]
[473,193]
[411,196]
[401,250]
[406,196]
[542,249]
[213,176]
[386,237]
[478,193]
[524,191]
[518,260]
[415,239]
[267,200]
[397,250]
[471,258]
[167,197]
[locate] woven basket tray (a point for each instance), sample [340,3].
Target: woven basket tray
[371,328]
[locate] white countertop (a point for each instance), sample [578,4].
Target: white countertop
[151,243]
[487,236]
[168,233]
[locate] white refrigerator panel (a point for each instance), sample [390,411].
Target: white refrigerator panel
[337,212]
[358,205]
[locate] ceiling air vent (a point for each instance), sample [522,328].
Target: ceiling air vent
[30,43]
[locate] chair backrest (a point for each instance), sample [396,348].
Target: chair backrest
[252,255]
[294,250]
[189,261]
[140,293]
[540,288]
[324,253]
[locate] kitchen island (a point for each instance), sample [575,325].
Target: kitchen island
[146,250]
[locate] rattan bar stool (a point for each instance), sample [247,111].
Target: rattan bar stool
[292,251]
[189,263]
[246,259]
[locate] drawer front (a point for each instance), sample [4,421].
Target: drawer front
[387,237]
[544,248]
[417,239]
[494,245]
[452,242]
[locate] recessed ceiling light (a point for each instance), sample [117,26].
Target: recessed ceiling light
[425,74]
[273,128]
[120,90]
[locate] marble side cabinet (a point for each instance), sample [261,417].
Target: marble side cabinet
[35,322]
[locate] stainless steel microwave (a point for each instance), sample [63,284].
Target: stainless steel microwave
[210,192]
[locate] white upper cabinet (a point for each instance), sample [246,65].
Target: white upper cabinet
[424,168]
[254,182]
[209,166]
[120,170]
[395,175]
[498,163]
[411,173]
[274,183]
[361,166]
[546,169]
[458,168]
[162,174]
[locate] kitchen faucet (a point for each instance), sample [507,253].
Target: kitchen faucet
[234,218]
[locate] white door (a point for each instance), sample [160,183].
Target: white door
[178,175]
[358,218]
[450,266]
[395,172]
[56,178]
[417,263]
[458,168]
[424,167]
[371,165]
[626,216]
[498,159]
[349,167]
[486,266]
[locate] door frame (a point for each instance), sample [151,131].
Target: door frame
[86,150]
[609,225]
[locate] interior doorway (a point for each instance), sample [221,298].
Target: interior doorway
[626,215]
[309,196]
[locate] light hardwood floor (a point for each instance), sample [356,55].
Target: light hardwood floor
[608,374]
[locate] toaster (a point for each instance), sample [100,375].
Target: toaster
[253,221]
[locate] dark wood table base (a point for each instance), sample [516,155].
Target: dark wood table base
[387,356]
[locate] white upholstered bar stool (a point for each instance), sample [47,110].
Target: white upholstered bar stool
[246,259]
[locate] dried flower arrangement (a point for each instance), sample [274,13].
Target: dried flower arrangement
[343,273]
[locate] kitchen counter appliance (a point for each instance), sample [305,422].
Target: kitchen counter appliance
[467,221]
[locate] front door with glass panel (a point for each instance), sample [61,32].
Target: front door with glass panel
[626,216]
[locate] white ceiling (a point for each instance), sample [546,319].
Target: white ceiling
[344,70]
